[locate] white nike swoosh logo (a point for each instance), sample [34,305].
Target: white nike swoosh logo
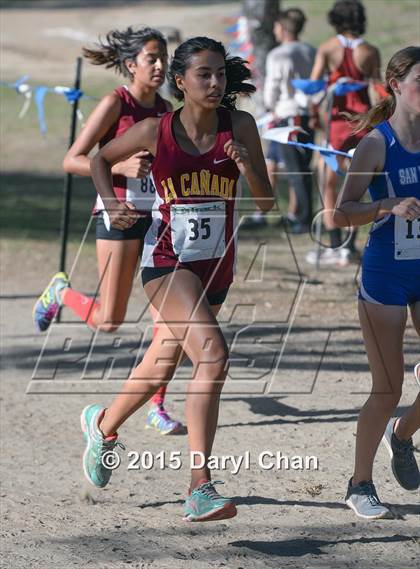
[219,161]
[392,142]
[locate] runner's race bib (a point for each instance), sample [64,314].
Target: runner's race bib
[198,230]
[407,239]
[141,193]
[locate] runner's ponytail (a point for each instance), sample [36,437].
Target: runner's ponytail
[398,68]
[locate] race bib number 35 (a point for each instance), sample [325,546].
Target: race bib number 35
[407,239]
[198,230]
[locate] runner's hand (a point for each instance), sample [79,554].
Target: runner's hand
[137,166]
[238,153]
[408,208]
[122,215]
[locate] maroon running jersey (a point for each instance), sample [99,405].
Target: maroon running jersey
[193,218]
[140,192]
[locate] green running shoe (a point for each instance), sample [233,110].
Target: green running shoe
[47,305]
[205,504]
[99,458]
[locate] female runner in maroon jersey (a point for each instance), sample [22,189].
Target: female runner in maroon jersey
[141,56]
[199,151]
[347,54]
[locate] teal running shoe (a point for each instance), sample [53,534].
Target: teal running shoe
[47,305]
[158,418]
[204,504]
[99,458]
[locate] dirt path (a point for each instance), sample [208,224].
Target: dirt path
[302,404]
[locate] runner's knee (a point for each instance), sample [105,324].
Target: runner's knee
[385,402]
[212,360]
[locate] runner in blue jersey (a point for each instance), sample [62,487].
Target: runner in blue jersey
[392,254]
[387,163]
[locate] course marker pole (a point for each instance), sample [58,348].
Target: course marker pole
[68,183]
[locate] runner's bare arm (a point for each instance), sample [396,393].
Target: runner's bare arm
[367,161]
[103,117]
[105,114]
[375,64]
[247,152]
[320,64]
[377,90]
[367,59]
[141,136]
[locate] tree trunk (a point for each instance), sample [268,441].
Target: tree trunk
[260,15]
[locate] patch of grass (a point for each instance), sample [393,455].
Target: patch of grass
[32,206]
[391,24]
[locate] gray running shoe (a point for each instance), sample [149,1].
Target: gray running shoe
[363,500]
[403,461]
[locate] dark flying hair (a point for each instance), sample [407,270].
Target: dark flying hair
[399,67]
[348,16]
[120,46]
[236,70]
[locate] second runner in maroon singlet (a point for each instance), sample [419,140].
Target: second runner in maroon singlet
[139,191]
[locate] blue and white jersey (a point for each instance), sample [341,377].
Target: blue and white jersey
[400,179]
[391,260]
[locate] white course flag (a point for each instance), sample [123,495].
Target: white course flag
[282,133]
[282,136]
[264,121]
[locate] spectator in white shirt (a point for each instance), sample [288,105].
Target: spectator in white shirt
[292,59]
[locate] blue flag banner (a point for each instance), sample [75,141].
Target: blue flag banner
[21,88]
[328,154]
[40,93]
[348,87]
[342,87]
[70,93]
[281,135]
[321,149]
[16,84]
[309,86]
